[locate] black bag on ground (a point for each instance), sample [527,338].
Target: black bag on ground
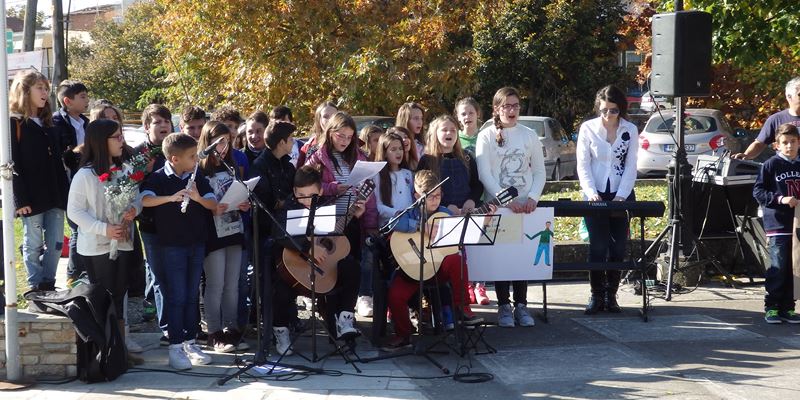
[102,355]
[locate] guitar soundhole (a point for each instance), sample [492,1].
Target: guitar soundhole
[327,244]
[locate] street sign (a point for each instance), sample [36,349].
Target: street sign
[9,41]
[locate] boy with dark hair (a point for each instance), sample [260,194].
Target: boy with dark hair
[228,116]
[340,301]
[403,287]
[777,190]
[157,123]
[281,113]
[181,235]
[274,189]
[192,120]
[70,124]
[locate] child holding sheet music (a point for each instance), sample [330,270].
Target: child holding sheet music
[223,260]
[403,287]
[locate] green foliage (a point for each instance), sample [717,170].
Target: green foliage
[558,53]
[121,62]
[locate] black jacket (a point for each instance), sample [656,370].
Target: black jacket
[40,181]
[276,184]
[68,137]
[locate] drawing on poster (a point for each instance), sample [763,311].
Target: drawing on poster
[522,240]
[544,244]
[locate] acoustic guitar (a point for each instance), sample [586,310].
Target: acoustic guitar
[296,270]
[405,246]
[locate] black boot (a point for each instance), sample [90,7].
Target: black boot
[596,304]
[611,292]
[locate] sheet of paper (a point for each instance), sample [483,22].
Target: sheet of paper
[449,230]
[237,194]
[324,221]
[364,170]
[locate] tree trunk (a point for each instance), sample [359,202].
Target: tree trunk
[59,50]
[29,30]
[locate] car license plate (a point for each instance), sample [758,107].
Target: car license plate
[671,147]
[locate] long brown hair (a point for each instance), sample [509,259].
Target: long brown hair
[380,155]
[19,97]
[317,130]
[339,121]
[404,117]
[95,146]
[412,160]
[499,99]
[434,148]
[211,131]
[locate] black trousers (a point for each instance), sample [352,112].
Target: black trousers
[504,295]
[608,239]
[110,274]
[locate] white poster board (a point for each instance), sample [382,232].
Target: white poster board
[518,252]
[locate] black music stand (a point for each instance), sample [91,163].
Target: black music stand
[307,223]
[452,231]
[418,349]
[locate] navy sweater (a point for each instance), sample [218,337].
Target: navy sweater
[778,177]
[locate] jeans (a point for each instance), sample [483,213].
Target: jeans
[76,264]
[154,291]
[501,288]
[43,237]
[778,277]
[543,248]
[221,296]
[182,283]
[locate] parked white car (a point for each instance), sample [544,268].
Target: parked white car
[707,133]
[559,150]
[649,104]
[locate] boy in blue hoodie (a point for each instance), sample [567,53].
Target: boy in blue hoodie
[777,190]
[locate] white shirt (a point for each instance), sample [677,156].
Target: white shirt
[519,163]
[601,162]
[80,133]
[86,206]
[402,194]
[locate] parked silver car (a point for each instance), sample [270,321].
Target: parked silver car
[707,133]
[559,150]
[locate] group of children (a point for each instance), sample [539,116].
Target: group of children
[196,244]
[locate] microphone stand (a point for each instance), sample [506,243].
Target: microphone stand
[260,356]
[419,349]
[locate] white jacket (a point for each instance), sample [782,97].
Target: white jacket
[600,162]
[519,163]
[402,194]
[86,206]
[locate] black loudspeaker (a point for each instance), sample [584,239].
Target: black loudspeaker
[756,248]
[681,54]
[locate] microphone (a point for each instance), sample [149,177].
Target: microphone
[212,148]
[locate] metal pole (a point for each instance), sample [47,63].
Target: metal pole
[29,29]
[12,340]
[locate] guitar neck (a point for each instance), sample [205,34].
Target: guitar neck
[485,207]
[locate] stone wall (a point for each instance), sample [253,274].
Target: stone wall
[47,346]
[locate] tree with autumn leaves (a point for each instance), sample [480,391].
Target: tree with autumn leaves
[370,56]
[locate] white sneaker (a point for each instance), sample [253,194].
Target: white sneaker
[177,358]
[505,316]
[132,346]
[305,302]
[195,355]
[522,317]
[364,306]
[283,340]
[344,325]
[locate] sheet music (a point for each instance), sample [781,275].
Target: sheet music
[324,221]
[449,232]
[364,170]
[237,194]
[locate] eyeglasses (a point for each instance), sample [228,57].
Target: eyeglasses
[611,111]
[118,138]
[343,137]
[509,107]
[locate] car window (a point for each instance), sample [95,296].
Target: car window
[694,124]
[537,126]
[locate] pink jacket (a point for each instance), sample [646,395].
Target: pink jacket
[329,186]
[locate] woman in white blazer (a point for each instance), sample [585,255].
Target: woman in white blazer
[607,147]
